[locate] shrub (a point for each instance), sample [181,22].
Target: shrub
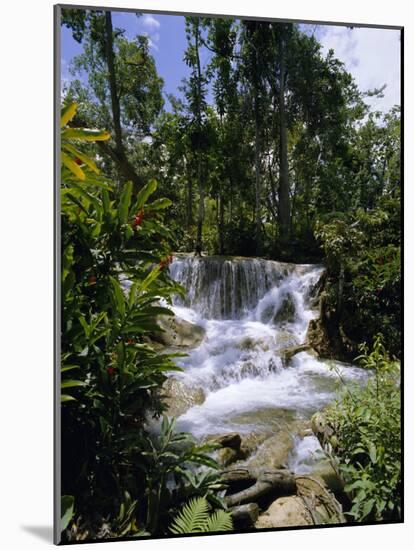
[366,449]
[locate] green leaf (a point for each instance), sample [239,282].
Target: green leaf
[69,367]
[119,296]
[368,506]
[145,192]
[124,203]
[83,134]
[72,384]
[160,204]
[192,518]
[372,453]
[149,278]
[65,397]
[219,521]
[67,505]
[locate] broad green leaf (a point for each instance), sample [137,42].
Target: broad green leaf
[65,397]
[145,192]
[119,295]
[149,278]
[160,204]
[124,202]
[72,384]
[67,368]
[83,134]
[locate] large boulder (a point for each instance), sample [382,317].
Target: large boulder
[273,453]
[231,448]
[180,397]
[178,332]
[227,456]
[287,511]
[245,516]
[232,440]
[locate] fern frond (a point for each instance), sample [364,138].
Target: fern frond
[219,521]
[192,518]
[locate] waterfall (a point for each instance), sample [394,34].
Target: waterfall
[251,309]
[223,288]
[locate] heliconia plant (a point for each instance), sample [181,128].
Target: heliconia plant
[114,248]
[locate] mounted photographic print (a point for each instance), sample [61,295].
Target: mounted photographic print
[228,274]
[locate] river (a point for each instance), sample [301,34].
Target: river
[251,310]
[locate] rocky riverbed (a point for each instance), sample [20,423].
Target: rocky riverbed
[252,381]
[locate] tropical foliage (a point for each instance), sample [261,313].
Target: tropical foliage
[114,255]
[268,149]
[367,445]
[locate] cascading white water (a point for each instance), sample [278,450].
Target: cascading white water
[251,309]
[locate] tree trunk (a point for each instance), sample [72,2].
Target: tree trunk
[118,154]
[284,199]
[189,196]
[257,160]
[200,220]
[200,217]
[221,224]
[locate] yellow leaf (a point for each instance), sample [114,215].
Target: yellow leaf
[84,158]
[68,113]
[72,166]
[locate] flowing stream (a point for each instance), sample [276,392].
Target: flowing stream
[251,310]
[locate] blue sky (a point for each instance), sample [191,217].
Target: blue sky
[371,55]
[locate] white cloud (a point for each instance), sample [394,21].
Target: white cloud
[150,23]
[372,56]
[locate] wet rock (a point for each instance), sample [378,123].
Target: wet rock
[226,456]
[285,512]
[285,339]
[237,480]
[178,332]
[179,397]
[287,312]
[232,440]
[245,516]
[273,453]
[249,343]
[288,353]
[321,428]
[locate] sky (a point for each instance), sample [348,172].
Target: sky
[372,56]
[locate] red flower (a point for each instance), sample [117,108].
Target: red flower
[110,371]
[130,341]
[92,279]
[138,219]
